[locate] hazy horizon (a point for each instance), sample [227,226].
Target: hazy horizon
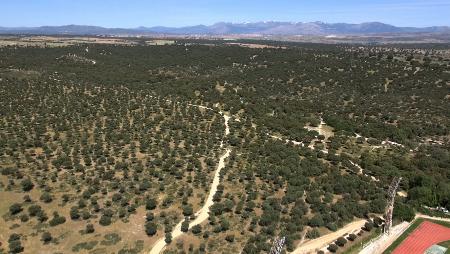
[162,25]
[177,13]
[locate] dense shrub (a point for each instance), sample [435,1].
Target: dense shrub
[368,226]
[341,241]
[197,229]
[46,237]
[332,248]
[27,184]
[15,208]
[105,220]
[150,228]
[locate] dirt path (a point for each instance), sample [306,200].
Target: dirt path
[361,171]
[322,129]
[419,215]
[384,143]
[202,214]
[286,140]
[316,244]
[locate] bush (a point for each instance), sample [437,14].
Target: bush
[33,210]
[352,237]
[312,234]
[168,238]
[9,171]
[27,199]
[332,248]
[150,204]
[150,228]
[13,237]
[111,239]
[224,225]
[89,229]
[65,198]
[105,220]
[229,238]
[377,221]
[368,226]
[46,237]
[188,210]
[74,213]
[150,216]
[85,215]
[15,208]
[46,197]
[332,226]
[84,246]
[15,246]
[57,220]
[185,226]
[108,212]
[122,213]
[24,218]
[341,241]
[197,229]
[202,247]
[42,216]
[27,184]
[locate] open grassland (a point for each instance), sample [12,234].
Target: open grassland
[60,41]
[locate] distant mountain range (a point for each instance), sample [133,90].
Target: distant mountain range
[224,28]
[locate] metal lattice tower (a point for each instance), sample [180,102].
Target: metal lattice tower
[277,246]
[392,192]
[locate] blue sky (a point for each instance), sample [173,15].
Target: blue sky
[133,13]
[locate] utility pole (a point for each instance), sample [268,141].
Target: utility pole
[392,192]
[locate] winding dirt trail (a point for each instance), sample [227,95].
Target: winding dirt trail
[202,214]
[361,171]
[321,242]
[322,129]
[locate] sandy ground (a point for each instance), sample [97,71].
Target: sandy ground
[316,244]
[323,129]
[203,213]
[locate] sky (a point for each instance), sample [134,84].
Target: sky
[177,13]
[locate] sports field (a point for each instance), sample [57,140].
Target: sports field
[425,235]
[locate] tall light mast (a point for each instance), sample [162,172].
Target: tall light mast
[392,192]
[277,246]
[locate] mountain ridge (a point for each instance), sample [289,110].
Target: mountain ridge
[229,28]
